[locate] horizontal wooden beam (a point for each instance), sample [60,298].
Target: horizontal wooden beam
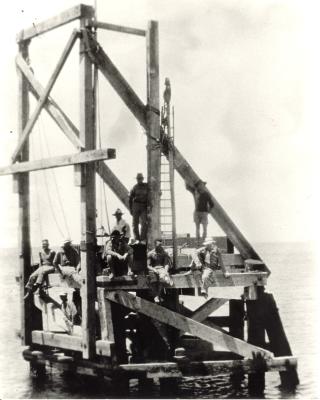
[188,280]
[116,80]
[163,369]
[185,324]
[33,119]
[56,113]
[63,341]
[118,28]
[59,161]
[79,11]
[212,368]
[70,342]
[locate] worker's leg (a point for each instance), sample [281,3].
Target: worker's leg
[204,221]
[111,261]
[207,280]
[135,221]
[43,272]
[143,222]
[197,223]
[130,263]
[32,279]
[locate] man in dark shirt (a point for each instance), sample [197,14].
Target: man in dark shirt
[67,256]
[138,203]
[46,267]
[159,265]
[118,255]
[203,204]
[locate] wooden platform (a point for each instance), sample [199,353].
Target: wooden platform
[155,370]
[186,280]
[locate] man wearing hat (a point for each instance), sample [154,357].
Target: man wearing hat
[138,203]
[118,255]
[121,225]
[67,256]
[159,265]
[69,311]
[206,260]
[203,204]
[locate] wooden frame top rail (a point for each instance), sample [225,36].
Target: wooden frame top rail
[117,28]
[79,11]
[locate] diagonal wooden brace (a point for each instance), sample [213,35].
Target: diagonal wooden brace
[59,117]
[210,334]
[45,95]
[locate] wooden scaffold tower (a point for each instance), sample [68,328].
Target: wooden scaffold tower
[101,348]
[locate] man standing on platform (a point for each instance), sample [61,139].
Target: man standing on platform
[203,205]
[121,225]
[138,203]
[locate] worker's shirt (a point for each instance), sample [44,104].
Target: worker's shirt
[123,227]
[203,202]
[159,257]
[208,258]
[47,257]
[67,257]
[69,310]
[139,194]
[117,247]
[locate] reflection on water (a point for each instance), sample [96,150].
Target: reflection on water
[292,283]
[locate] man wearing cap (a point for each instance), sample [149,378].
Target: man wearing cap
[159,265]
[69,311]
[36,279]
[203,204]
[118,255]
[121,225]
[206,260]
[67,256]
[138,203]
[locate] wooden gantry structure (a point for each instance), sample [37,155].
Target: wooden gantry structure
[101,350]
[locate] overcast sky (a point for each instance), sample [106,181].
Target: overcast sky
[245,88]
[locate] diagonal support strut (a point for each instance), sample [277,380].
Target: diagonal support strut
[182,323]
[44,97]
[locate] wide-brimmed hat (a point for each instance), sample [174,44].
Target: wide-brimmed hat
[118,211]
[209,240]
[67,240]
[139,176]
[64,294]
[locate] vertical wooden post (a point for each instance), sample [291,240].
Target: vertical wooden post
[153,132]
[87,203]
[256,335]
[236,315]
[24,204]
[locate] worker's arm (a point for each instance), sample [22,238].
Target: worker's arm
[131,196]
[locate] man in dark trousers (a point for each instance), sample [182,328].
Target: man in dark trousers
[138,203]
[203,205]
[118,255]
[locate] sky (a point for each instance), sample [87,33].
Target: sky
[245,90]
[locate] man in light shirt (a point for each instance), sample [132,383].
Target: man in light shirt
[206,259]
[121,225]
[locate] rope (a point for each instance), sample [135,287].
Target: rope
[97,87]
[47,186]
[36,185]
